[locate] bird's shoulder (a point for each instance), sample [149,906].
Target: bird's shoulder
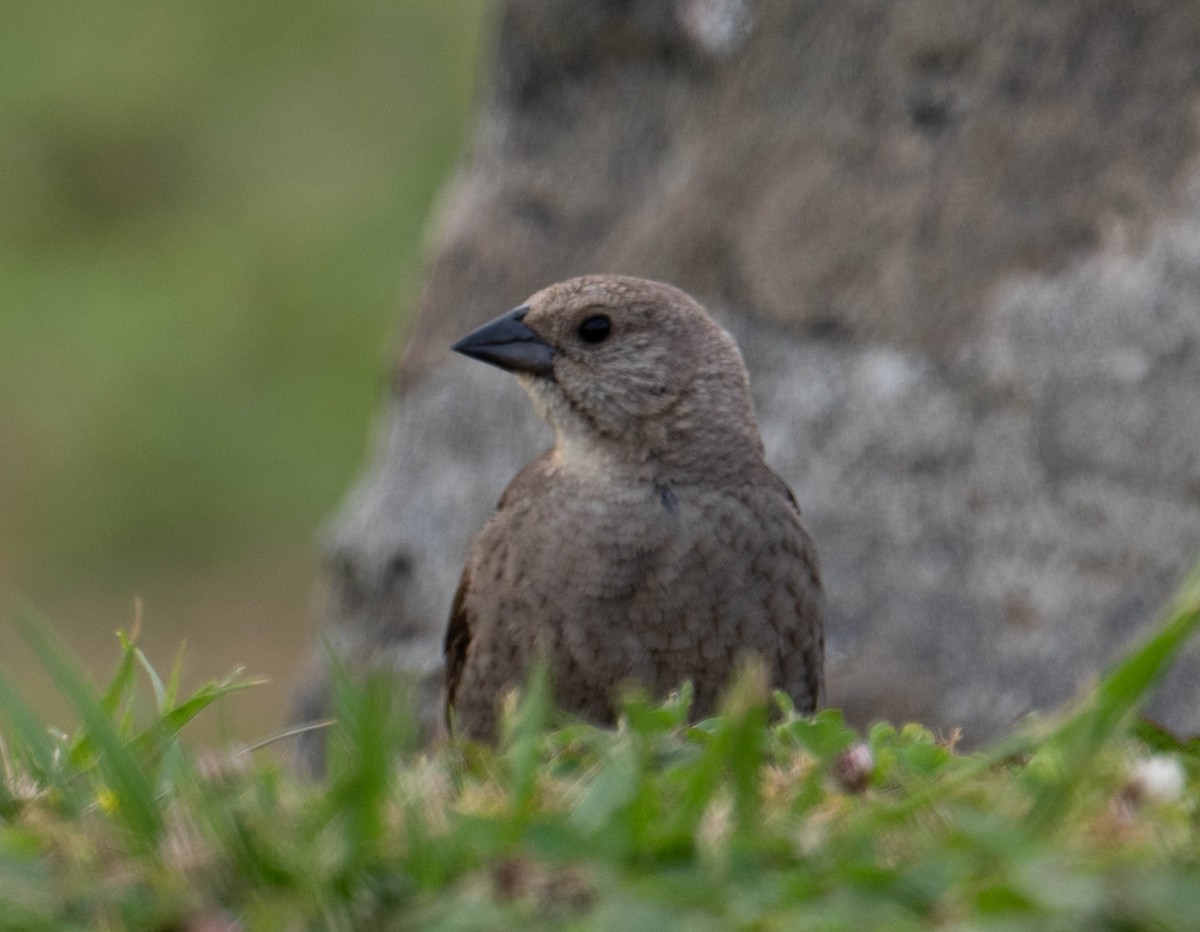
[755,512]
[788,513]
[757,494]
[535,479]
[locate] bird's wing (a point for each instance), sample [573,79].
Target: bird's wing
[459,630]
[808,549]
[457,643]
[807,641]
[784,489]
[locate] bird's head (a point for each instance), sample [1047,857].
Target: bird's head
[627,368]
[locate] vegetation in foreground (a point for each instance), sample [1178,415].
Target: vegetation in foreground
[1087,820]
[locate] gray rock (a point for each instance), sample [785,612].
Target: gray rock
[960,247]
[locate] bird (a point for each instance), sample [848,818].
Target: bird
[651,544]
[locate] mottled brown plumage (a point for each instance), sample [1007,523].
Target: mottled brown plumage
[651,544]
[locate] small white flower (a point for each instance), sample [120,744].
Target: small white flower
[1158,779]
[854,767]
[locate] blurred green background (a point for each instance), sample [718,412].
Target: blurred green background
[210,213]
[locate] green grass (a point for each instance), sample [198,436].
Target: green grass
[755,819]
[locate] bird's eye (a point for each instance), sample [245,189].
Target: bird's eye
[595,329]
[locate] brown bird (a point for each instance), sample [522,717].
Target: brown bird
[652,544]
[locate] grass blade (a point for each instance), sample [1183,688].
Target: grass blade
[174,719]
[122,681]
[36,743]
[156,683]
[1119,695]
[131,789]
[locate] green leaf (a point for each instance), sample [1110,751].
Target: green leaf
[613,787]
[35,741]
[160,691]
[523,736]
[1159,738]
[824,735]
[151,739]
[131,788]
[1109,711]
[361,782]
[176,676]
[122,681]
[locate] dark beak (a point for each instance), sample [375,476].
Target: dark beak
[509,344]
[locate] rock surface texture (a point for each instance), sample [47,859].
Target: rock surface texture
[959,246]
